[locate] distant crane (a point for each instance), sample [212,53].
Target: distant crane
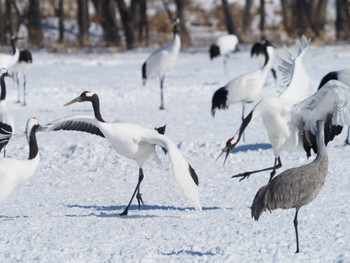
[244,88]
[294,187]
[13,171]
[342,76]
[8,60]
[161,61]
[290,117]
[258,49]
[24,60]
[6,119]
[134,142]
[223,46]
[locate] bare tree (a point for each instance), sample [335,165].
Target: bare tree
[247,17]
[83,22]
[262,18]
[106,15]
[35,32]
[185,36]
[228,17]
[342,20]
[2,26]
[60,14]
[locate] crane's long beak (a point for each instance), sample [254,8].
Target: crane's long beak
[230,145]
[78,99]
[226,150]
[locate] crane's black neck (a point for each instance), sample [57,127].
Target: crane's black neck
[33,145]
[13,45]
[3,87]
[267,57]
[244,125]
[175,29]
[96,106]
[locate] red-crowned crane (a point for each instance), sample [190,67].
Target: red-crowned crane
[14,171]
[161,61]
[134,142]
[6,119]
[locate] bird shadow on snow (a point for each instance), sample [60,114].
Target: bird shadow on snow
[252,147]
[105,209]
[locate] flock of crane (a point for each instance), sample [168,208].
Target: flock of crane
[296,119]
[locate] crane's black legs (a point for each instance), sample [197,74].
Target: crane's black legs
[347,141]
[277,165]
[136,192]
[243,109]
[296,228]
[225,64]
[24,89]
[16,79]
[161,107]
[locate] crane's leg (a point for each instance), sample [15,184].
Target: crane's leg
[296,229]
[225,65]
[243,109]
[347,141]
[277,164]
[24,89]
[16,79]
[161,107]
[137,190]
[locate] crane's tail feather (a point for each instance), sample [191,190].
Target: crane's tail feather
[259,203]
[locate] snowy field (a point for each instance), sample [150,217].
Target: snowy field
[68,211]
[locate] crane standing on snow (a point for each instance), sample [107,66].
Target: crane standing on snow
[294,187]
[161,61]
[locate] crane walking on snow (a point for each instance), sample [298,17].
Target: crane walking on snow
[134,142]
[294,187]
[161,61]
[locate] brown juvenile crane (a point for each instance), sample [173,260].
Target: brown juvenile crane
[294,187]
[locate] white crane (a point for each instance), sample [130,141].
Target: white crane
[286,118]
[223,46]
[24,60]
[245,88]
[13,171]
[258,50]
[161,61]
[343,76]
[8,60]
[134,142]
[292,127]
[6,119]
[294,187]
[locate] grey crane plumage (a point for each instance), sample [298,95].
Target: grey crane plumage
[294,187]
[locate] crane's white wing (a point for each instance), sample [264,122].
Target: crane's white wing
[333,99]
[183,173]
[83,123]
[294,75]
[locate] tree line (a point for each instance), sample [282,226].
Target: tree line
[127,23]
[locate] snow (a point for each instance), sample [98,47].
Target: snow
[68,211]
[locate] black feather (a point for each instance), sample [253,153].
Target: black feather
[219,100]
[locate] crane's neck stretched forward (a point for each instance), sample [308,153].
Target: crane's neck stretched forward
[96,106]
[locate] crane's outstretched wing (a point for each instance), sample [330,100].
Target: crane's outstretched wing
[294,75]
[331,104]
[83,123]
[183,173]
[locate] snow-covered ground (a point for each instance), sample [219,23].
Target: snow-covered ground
[68,211]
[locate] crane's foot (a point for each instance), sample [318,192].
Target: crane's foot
[139,199]
[124,213]
[161,108]
[347,142]
[243,175]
